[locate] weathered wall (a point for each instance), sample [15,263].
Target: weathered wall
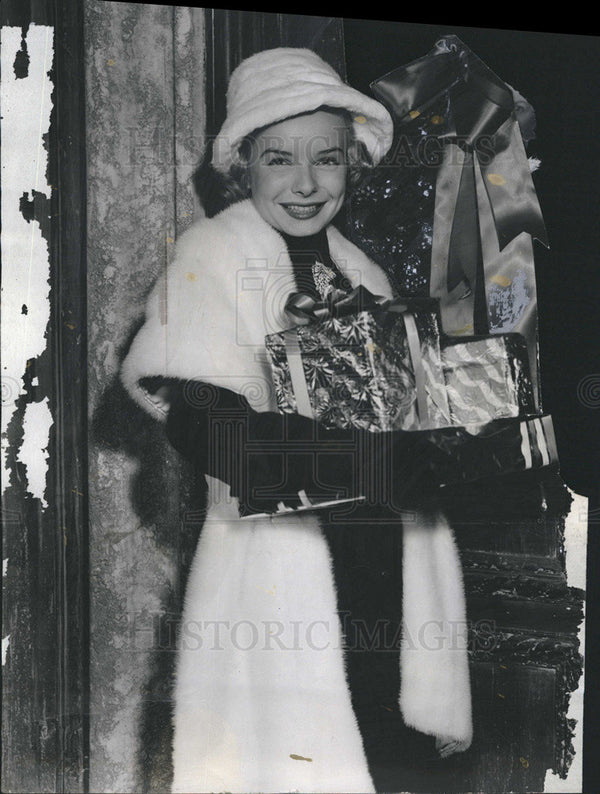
[145,125]
[29,713]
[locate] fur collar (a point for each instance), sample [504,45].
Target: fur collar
[206,321]
[226,288]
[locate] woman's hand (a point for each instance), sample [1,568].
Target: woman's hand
[411,466]
[446,746]
[161,398]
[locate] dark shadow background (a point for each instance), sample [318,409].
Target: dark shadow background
[559,74]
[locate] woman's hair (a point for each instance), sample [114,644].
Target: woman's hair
[217,191]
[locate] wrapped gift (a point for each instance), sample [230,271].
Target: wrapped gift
[388,368]
[487,378]
[376,369]
[452,209]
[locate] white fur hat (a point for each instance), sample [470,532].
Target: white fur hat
[273,85]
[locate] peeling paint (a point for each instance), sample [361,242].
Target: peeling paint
[36,433]
[21,64]
[26,98]
[576,541]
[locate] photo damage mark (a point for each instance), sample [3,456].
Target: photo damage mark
[21,64]
[26,97]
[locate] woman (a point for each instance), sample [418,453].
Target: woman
[262,700]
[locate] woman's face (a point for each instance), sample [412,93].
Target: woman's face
[298,170]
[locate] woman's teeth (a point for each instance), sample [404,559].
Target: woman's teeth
[302,211]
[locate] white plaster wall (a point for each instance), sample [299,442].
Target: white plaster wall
[576,558]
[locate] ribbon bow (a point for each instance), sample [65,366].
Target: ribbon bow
[485,197]
[304,308]
[481,119]
[338,303]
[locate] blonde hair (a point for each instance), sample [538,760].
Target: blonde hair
[217,190]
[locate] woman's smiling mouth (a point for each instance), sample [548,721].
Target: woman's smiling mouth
[302,212]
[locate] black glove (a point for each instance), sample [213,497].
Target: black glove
[268,458]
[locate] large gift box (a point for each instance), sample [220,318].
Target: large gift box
[452,211]
[389,368]
[376,369]
[504,446]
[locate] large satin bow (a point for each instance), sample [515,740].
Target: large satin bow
[485,197]
[481,119]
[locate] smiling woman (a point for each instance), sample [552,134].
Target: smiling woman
[247,710]
[333,149]
[93,579]
[297,171]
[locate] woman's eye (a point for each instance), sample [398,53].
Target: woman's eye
[277,160]
[329,159]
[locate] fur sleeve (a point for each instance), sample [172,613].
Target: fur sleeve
[194,324]
[206,319]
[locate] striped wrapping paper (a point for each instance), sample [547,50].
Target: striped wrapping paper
[487,378]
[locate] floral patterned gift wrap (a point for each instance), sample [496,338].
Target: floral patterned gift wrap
[376,369]
[389,368]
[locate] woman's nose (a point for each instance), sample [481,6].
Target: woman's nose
[304,181]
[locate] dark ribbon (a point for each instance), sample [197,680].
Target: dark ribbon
[302,306]
[305,308]
[481,119]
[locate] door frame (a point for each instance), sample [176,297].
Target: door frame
[45,715]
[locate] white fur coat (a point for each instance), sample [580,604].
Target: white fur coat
[261,701]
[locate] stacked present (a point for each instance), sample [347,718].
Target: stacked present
[487,378]
[452,211]
[357,370]
[388,367]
